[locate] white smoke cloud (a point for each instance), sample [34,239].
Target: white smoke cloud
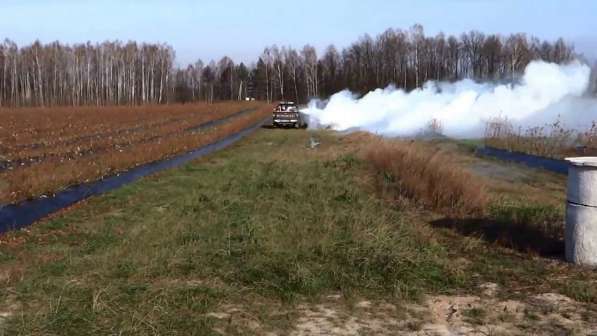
[544,92]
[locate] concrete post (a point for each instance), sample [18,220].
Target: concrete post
[581,211]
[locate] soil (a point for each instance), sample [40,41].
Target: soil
[488,313]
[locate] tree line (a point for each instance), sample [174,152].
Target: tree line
[111,73]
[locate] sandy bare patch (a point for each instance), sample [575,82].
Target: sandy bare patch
[544,314]
[325,319]
[235,320]
[443,315]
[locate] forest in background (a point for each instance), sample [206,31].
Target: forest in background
[117,73]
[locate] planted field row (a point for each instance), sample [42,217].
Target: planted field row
[89,145]
[55,167]
[27,129]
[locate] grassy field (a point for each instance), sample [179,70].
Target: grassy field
[273,236]
[43,150]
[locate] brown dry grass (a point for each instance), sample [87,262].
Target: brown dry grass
[427,176]
[52,175]
[552,140]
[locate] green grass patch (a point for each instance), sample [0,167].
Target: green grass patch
[270,216]
[267,224]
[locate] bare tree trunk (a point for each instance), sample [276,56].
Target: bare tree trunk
[39,79]
[240,90]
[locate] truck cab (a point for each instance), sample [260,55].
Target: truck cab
[286,114]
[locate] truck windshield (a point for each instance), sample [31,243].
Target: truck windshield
[286,108]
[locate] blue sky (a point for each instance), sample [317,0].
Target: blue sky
[210,29]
